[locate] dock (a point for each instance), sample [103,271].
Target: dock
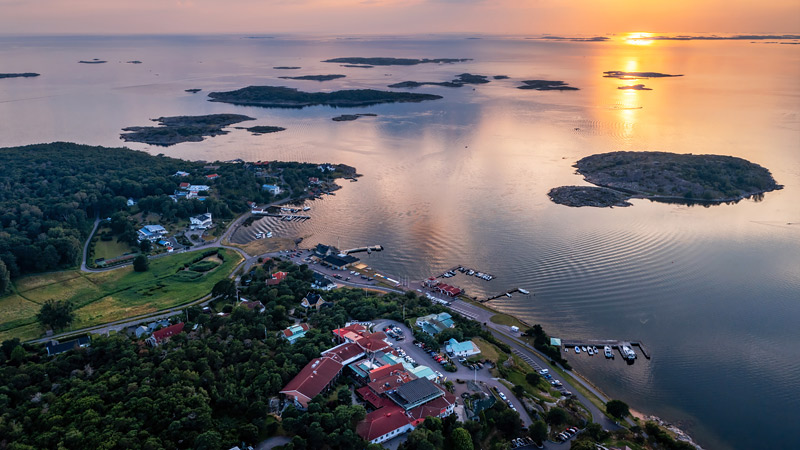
[466,271]
[615,344]
[286,217]
[503,294]
[368,249]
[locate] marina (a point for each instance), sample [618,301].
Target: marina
[625,348]
[466,271]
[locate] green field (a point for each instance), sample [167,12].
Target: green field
[113,295]
[110,249]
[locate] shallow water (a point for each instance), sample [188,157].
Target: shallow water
[712,291]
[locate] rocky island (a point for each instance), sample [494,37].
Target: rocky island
[460,80]
[177,129]
[636,75]
[134,62]
[350,117]
[314,77]
[263,129]
[668,177]
[192,91]
[385,61]
[284,97]
[286,67]
[500,77]
[19,75]
[93,61]
[546,85]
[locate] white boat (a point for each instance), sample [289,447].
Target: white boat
[583,348]
[628,353]
[259,235]
[508,294]
[607,351]
[594,349]
[306,208]
[269,234]
[577,349]
[566,349]
[590,351]
[523,291]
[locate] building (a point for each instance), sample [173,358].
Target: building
[201,222]
[435,323]
[295,332]
[181,173]
[384,424]
[461,349]
[446,289]
[130,201]
[197,188]
[322,282]
[339,262]
[151,233]
[276,278]
[164,334]
[271,188]
[54,348]
[313,300]
[359,334]
[253,306]
[315,378]
[213,176]
[415,393]
[345,353]
[441,406]
[313,180]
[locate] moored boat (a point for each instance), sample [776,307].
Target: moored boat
[577,349]
[607,351]
[523,291]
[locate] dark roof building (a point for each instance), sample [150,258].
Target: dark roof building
[415,393]
[339,261]
[54,348]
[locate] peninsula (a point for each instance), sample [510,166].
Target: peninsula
[177,129]
[19,75]
[546,85]
[634,75]
[460,80]
[668,177]
[314,77]
[284,97]
[386,61]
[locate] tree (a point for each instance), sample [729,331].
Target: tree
[533,378]
[518,390]
[225,287]
[140,263]
[5,278]
[538,431]
[18,354]
[210,440]
[617,408]
[56,314]
[462,440]
[557,416]
[145,246]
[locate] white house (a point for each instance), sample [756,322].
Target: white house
[151,232]
[181,173]
[201,222]
[198,188]
[461,349]
[272,189]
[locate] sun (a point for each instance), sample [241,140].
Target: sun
[639,38]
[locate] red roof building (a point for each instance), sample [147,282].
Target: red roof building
[213,176]
[344,353]
[384,424]
[165,333]
[438,407]
[276,279]
[185,185]
[316,377]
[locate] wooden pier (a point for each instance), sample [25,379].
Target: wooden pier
[615,344]
[503,294]
[369,249]
[281,216]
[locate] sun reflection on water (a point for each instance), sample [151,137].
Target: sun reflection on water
[639,38]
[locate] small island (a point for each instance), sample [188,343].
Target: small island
[386,61]
[667,177]
[263,129]
[350,117]
[357,66]
[547,85]
[134,62]
[192,91]
[93,61]
[314,77]
[287,68]
[635,87]
[19,75]
[636,75]
[284,97]
[177,129]
[500,77]
[460,80]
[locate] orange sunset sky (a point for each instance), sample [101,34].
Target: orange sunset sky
[397,16]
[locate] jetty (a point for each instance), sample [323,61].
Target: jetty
[466,271]
[368,249]
[286,217]
[615,344]
[505,294]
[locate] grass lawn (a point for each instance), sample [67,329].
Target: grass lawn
[489,351]
[113,295]
[110,249]
[505,319]
[17,311]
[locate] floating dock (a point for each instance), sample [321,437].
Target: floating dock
[369,249]
[615,344]
[504,294]
[286,217]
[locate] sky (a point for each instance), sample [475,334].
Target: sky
[525,17]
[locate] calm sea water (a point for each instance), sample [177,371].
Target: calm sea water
[714,292]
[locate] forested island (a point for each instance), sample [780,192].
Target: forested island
[284,97]
[547,85]
[176,129]
[19,75]
[314,77]
[458,81]
[386,61]
[636,75]
[662,176]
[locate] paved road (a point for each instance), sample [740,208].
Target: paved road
[84,268]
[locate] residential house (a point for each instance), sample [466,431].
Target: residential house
[197,188]
[313,180]
[200,222]
[322,282]
[140,331]
[164,334]
[461,349]
[151,233]
[326,167]
[253,306]
[185,186]
[315,378]
[213,176]
[313,300]
[181,173]
[271,188]
[295,332]
[276,278]
[435,323]
[384,424]
[130,202]
[54,347]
